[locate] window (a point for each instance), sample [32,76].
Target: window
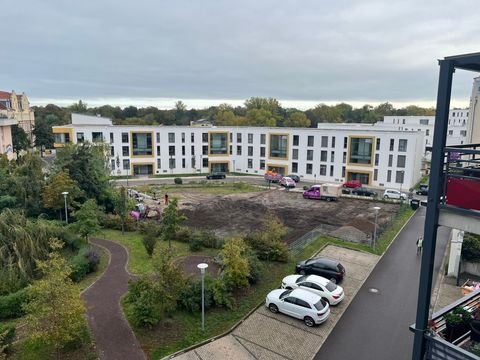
[183,150]
[250,138]
[402,145]
[171,163]
[345,142]
[332,156]
[204,149]
[250,151]
[239,137]
[171,150]
[158,138]
[125,151]
[331,170]
[295,154]
[310,140]
[80,137]
[192,137]
[204,137]
[324,141]
[111,138]
[323,170]
[205,162]
[278,146]
[262,164]
[294,167]
[112,164]
[344,160]
[403,121]
[250,163]
[310,155]
[463,132]
[392,144]
[112,151]
[263,139]
[183,137]
[192,150]
[124,137]
[295,140]
[323,155]
[378,145]
[171,137]
[427,132]
[309,169]
[97,137]
[377,156]
[450,132]
[333,141]
[231,150]
[375,175]
[343,171]
[239,150]
[159,163]
[399,177]
[142,144]
[390,160]
[423,121]
[389,175]
[231,137]
[218,143]
[360,150]
[262,151]
[401,161]
[126,164]
[184,165]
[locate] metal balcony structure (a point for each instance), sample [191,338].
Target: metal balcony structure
[453,171]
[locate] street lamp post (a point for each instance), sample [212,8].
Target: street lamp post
[202,268]
[376,208]
[65,193]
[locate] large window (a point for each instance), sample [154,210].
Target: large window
[278,146]
[171,137]
[295,154]
[294,167]
[142,144]
[124,137]
[263,139]
[401,159]
[295,140]
[310,155]
[310,140]
[125,151]
[361,150]
[323,170]
[323,155]
[97,137]
[262,151]
[250,151]
[402,145]
[309,169]
[218,143]
[324,141]
[80,137]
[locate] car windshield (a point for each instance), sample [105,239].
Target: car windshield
[285,294]
[320,305]
[301,278]
[331,286]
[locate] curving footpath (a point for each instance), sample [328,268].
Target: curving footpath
[113,336]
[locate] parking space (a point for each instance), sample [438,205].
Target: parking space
[264,335]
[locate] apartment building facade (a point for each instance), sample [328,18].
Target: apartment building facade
[378,157]
[17,106]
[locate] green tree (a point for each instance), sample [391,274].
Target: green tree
[180,113]
[171,221]
[86,219]
[297,119]
[55,312]
[236,269]
[260,117]
[52,192]
[44,138]
[79,108]
[270,104]
[20,140]
[122,204]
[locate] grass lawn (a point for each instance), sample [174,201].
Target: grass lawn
[139,262]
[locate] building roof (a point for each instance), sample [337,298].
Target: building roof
[5,95]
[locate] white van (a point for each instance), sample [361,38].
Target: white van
[394,194]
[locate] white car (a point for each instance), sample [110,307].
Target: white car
[327,290]
[300,304]
[394,194]
[287,182]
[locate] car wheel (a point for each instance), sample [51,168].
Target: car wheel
[273,308]
[385,197]
[309,321]
[329,199]
[302,272]
[333,280]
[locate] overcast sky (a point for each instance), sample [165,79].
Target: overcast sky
[122,52]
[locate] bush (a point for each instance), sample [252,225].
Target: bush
[255,266]
[111,221]
[72,240]
[7,335]
[209,239]
[195,243]
[222,294]
[178,181]
[144,303]
[471,248]
[85,262]
[93,258]
[183,234]
[11,306]
[149,242]
[190,297]
[267,249]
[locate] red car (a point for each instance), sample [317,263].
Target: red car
[353,184]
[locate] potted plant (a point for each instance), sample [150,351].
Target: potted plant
[457,322]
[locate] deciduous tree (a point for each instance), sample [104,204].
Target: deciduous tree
[86,219]
[236,269]
[52,192]
[171,220]
[20,140]
[297,119]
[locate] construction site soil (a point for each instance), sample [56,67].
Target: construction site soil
[238,214]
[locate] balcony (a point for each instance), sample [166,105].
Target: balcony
[460,204]
[437,346]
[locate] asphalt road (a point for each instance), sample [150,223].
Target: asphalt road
[375,325]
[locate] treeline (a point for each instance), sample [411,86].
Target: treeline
[255,112]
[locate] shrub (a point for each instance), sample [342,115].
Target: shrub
[222,294]
[93,258]
[7,335]
[458,316]
[11,306]
[144,305]
[267,249]
[255,266]
[195,243]
[209,239]
[149,242]
[80,267]
[72,240]
[190,297]
[471,248]
[178,181]
[183,234]
[111,221]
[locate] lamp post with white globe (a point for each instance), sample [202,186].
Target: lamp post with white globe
[65,193]
[202,268]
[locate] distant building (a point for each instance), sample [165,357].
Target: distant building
[18,108]
[473,131]
[6,122]
[201,123]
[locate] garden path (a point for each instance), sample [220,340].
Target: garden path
[113,336]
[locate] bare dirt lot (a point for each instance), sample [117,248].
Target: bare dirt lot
[239,214]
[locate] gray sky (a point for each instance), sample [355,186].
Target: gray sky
[122,52]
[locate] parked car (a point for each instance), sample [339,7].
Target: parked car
[352,184]
[287,182]
[216,175]
[327,192]
[423,190]
[327,290]
[322,266]
[299,304]
[394,194]
[295,178]
[363,191]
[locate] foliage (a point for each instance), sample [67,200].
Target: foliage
[85,262]
[115,222]
[11,305]
[222,294]
[458,316]
[171,220]
[255,266]
[122,204]
[149,241]
[190,297]
[55,310]
[151,232]
[297,119]
[183,234]
[7,335]
[195,243]
[236,269]
[144,305]
[19,139]
[44,138]
[260,117]
[471,247]
[178,181]
[55,186]
[86,219]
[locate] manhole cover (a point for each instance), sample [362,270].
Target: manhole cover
[374,291]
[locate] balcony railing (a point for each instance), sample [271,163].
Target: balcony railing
[438,348]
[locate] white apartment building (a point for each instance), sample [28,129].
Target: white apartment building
[458,123]
[331,153]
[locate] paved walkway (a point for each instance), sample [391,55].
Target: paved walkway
[264,335]
[113,336]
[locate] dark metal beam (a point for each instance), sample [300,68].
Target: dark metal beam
[434,193]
